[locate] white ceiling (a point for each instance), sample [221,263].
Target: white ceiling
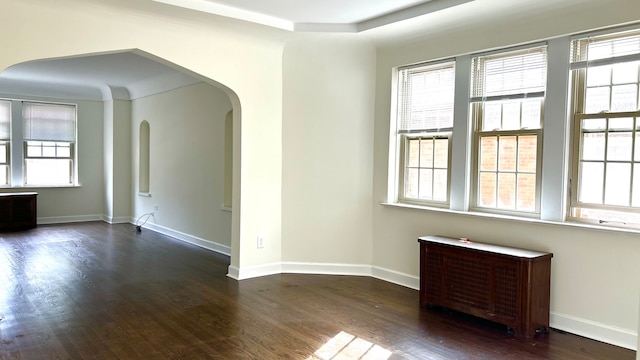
[318,15]
[128,75]
[124,75]
[89,69]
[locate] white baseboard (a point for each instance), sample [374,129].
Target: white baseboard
[233,272]
[116,220]
[398,278]
[207,244]
[68,219]
[249,272]
[325,269]
[203,243]
[593,330]
[387,275]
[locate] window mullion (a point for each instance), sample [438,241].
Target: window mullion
[497,188]
[419,167]
[433,167]
[606,163]
[516,170]
[632,162]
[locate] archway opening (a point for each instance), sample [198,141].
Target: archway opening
[129,164]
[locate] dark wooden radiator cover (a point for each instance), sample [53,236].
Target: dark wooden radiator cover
[502,284]
[18,211]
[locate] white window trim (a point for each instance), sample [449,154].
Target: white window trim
[17,157]
[461,138]
[577,91]
[397,139]
[476,106]
[476,171]
[575,201]
[557,142]
[555,134]
[555,138]
[403,163]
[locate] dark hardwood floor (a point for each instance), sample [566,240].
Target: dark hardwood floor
[99,291]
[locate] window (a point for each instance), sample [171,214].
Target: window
[49,135]
[507,99]
[425,122]
[576,96]
[605,186]
[5,141]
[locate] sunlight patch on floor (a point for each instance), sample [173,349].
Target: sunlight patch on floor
[345,346]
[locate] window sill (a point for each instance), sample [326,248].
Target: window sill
[145,194]
[573,224]
[41,187]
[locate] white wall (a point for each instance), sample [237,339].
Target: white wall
[54,204]
[329,83]
[594,272]
[108,161]
[246,58]
[117,137]
[186,161]
[117,161]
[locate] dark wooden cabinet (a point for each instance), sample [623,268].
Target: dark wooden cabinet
[502,284]
[18,211]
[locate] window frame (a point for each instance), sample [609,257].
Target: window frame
[576,205]
[404,167]
[6,162]
[27,157]
[556,180]
[73,178]
[16,144]
[403,136]
[475,190]
[6,141]
[476,114]
[578,90]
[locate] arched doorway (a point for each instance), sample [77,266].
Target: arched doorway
[129,153]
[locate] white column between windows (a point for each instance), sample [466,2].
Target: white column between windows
[461,138]
[556,132]
[17,148]
[392,178]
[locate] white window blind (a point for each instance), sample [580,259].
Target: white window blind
[49,122]
[610,65]
[425,98]
[512,75]
[607,49]
[5,120]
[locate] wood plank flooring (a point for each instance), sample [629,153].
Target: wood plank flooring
[99,291]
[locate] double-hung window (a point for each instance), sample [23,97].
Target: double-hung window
[507,99]
[425,123]
[49,143]
[5,141]
[605,180]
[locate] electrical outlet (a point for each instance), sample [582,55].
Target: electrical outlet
[260,242]
[155,207]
